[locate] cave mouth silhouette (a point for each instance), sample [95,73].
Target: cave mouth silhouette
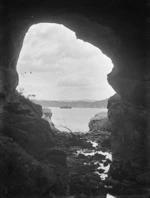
[55,65]
[52,57]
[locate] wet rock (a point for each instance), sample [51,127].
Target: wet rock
[101,138]
[100,170]
[144,178]
[57,156]
[80,155]
[71,140]
[88,183]
[127,183]
[106,143]
[107,162]
[114,183]
[83,176]
[98,156]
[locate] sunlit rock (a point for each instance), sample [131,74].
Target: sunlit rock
[98,123]
[47,115]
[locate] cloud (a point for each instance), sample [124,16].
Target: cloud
[55,40]
[59,60]
[74,81]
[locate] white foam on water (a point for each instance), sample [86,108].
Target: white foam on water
[110,196]
[94,144]
[104,175]
[91,153]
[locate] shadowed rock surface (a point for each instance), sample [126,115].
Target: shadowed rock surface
[30,164]
[22,174]
[128,135]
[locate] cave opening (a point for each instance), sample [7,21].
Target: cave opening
[55,66]
[68,78]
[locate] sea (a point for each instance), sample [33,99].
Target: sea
[74,119]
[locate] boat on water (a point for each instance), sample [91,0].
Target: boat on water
[65,107]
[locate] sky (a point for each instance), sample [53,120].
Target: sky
[55,65]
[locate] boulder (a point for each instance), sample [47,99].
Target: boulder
[47,115]
[32,133]
[97,123]
[47,112]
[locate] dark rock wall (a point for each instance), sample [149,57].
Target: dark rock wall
[120,30]
[129,135]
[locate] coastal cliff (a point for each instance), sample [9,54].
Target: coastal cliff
[74,104]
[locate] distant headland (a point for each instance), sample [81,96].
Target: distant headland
[73,104]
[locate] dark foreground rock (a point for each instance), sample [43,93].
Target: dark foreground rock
[37,161]
[21,174]
[129,139]
[144,178]
[85,179]
[32,133]
[122,178]
[30,165]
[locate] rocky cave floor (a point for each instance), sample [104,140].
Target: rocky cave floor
[39,161]
[91,170]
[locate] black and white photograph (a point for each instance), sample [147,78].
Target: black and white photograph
[74,99]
